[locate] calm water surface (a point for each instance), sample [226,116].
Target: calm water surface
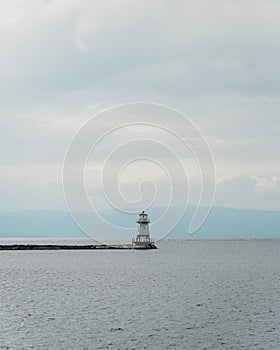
[185,295]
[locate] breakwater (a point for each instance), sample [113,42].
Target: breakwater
[76,247]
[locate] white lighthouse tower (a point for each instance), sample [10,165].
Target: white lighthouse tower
[143,236]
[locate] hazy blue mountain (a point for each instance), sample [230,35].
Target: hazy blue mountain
[38,224]
[227,222]
[222,222]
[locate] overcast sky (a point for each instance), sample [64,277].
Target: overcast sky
[217,62]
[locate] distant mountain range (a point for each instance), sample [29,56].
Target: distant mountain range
[222,222]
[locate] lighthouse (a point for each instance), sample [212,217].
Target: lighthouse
[143,235]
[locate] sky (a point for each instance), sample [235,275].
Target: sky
[63,61]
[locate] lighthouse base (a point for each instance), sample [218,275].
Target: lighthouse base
[143,242]
[142,245]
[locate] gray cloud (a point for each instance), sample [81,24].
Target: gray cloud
[218,62]
[191,46]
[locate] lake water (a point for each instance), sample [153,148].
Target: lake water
[188,294]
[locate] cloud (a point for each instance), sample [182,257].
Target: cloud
[249,192]
[179,46]
[218,62]
[268,185]
[29,186]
